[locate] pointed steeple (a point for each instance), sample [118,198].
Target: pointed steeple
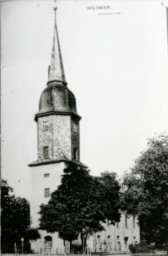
[56,69]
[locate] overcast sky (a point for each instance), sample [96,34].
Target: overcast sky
[115,63]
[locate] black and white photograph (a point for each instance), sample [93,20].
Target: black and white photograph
[84,127]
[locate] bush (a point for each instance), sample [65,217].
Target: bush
[141,247]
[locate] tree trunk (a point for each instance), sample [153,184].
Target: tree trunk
[71,246]
[64,248]
[83,241]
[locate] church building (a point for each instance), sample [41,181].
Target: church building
[58,143]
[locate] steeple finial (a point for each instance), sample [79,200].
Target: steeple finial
[56,69]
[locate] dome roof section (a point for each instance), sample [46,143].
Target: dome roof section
[57,97]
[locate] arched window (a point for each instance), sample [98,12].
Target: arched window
[47,242]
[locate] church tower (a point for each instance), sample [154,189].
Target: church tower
[58,141]
[57,119]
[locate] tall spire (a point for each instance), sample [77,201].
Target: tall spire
[56,69]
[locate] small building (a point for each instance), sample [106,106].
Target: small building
[58,143]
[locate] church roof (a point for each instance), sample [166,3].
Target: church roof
[56,69]
[57,97]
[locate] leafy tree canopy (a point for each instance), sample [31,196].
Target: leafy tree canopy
[15,220]
[146,191]
[112,195]
[80,203]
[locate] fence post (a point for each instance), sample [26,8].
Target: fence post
[15,247]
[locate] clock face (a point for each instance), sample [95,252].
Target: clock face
[75,127]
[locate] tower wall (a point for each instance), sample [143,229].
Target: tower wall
[54,132]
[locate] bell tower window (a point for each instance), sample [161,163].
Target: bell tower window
[45,126]
[46,152]
[75,154]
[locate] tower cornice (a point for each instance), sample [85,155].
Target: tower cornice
[63,113]
[37,163]
[52,82]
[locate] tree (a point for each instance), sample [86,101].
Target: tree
[15,220]
[146,191]
[112,195]
[78,206]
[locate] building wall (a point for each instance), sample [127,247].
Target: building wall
[43,177]
[54,132]
[116,238]
[57,246]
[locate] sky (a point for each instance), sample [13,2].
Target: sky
[116,63]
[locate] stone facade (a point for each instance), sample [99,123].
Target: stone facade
[54,132]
